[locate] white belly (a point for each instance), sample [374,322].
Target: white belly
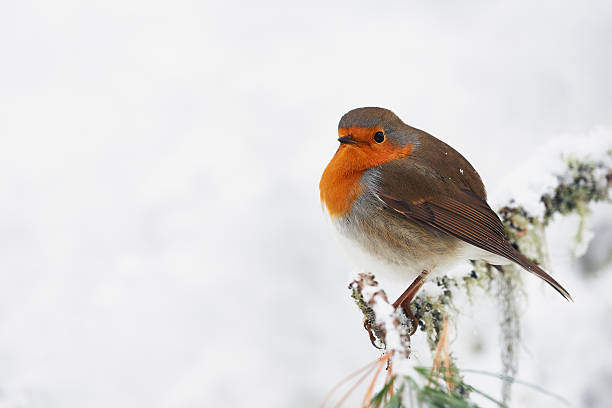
[396,276]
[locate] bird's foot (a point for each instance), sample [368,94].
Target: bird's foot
[414,322]
[373,339]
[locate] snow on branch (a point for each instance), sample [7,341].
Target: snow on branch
[581,183]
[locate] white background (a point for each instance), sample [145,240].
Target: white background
[161,238]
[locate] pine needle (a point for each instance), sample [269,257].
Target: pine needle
[533,386]
[370,366]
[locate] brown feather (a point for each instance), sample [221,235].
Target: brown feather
[448,204]
[432,197]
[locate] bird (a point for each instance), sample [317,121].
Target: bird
[407,199]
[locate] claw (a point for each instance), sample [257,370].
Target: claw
[414,322]
[406,297]
[368,327]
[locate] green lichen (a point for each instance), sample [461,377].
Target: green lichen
[509,289]
[524,231]
[431,310]
[583,183]
[369,317]
[481,277]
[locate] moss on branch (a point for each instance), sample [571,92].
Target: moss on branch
[583,183]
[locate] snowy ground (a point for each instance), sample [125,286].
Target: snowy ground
[162,242]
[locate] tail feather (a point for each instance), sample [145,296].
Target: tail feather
[532,267]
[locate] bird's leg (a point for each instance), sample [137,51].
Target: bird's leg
[406,297]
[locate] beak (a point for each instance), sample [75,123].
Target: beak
[347,140]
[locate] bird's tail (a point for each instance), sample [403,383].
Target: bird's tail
[532,267]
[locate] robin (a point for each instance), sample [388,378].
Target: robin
[412,201]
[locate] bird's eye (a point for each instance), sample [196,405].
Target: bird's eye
[379,137]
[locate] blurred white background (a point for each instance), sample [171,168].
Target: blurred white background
[162,242]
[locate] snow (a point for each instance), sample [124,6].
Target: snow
[539,169]
[162,239]
[582,242]
[431,288]
[386,315]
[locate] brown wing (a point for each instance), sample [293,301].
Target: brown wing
[448,206]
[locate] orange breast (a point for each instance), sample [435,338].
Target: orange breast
[340,184]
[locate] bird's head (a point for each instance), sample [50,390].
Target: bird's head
[368,137]
[372,136]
